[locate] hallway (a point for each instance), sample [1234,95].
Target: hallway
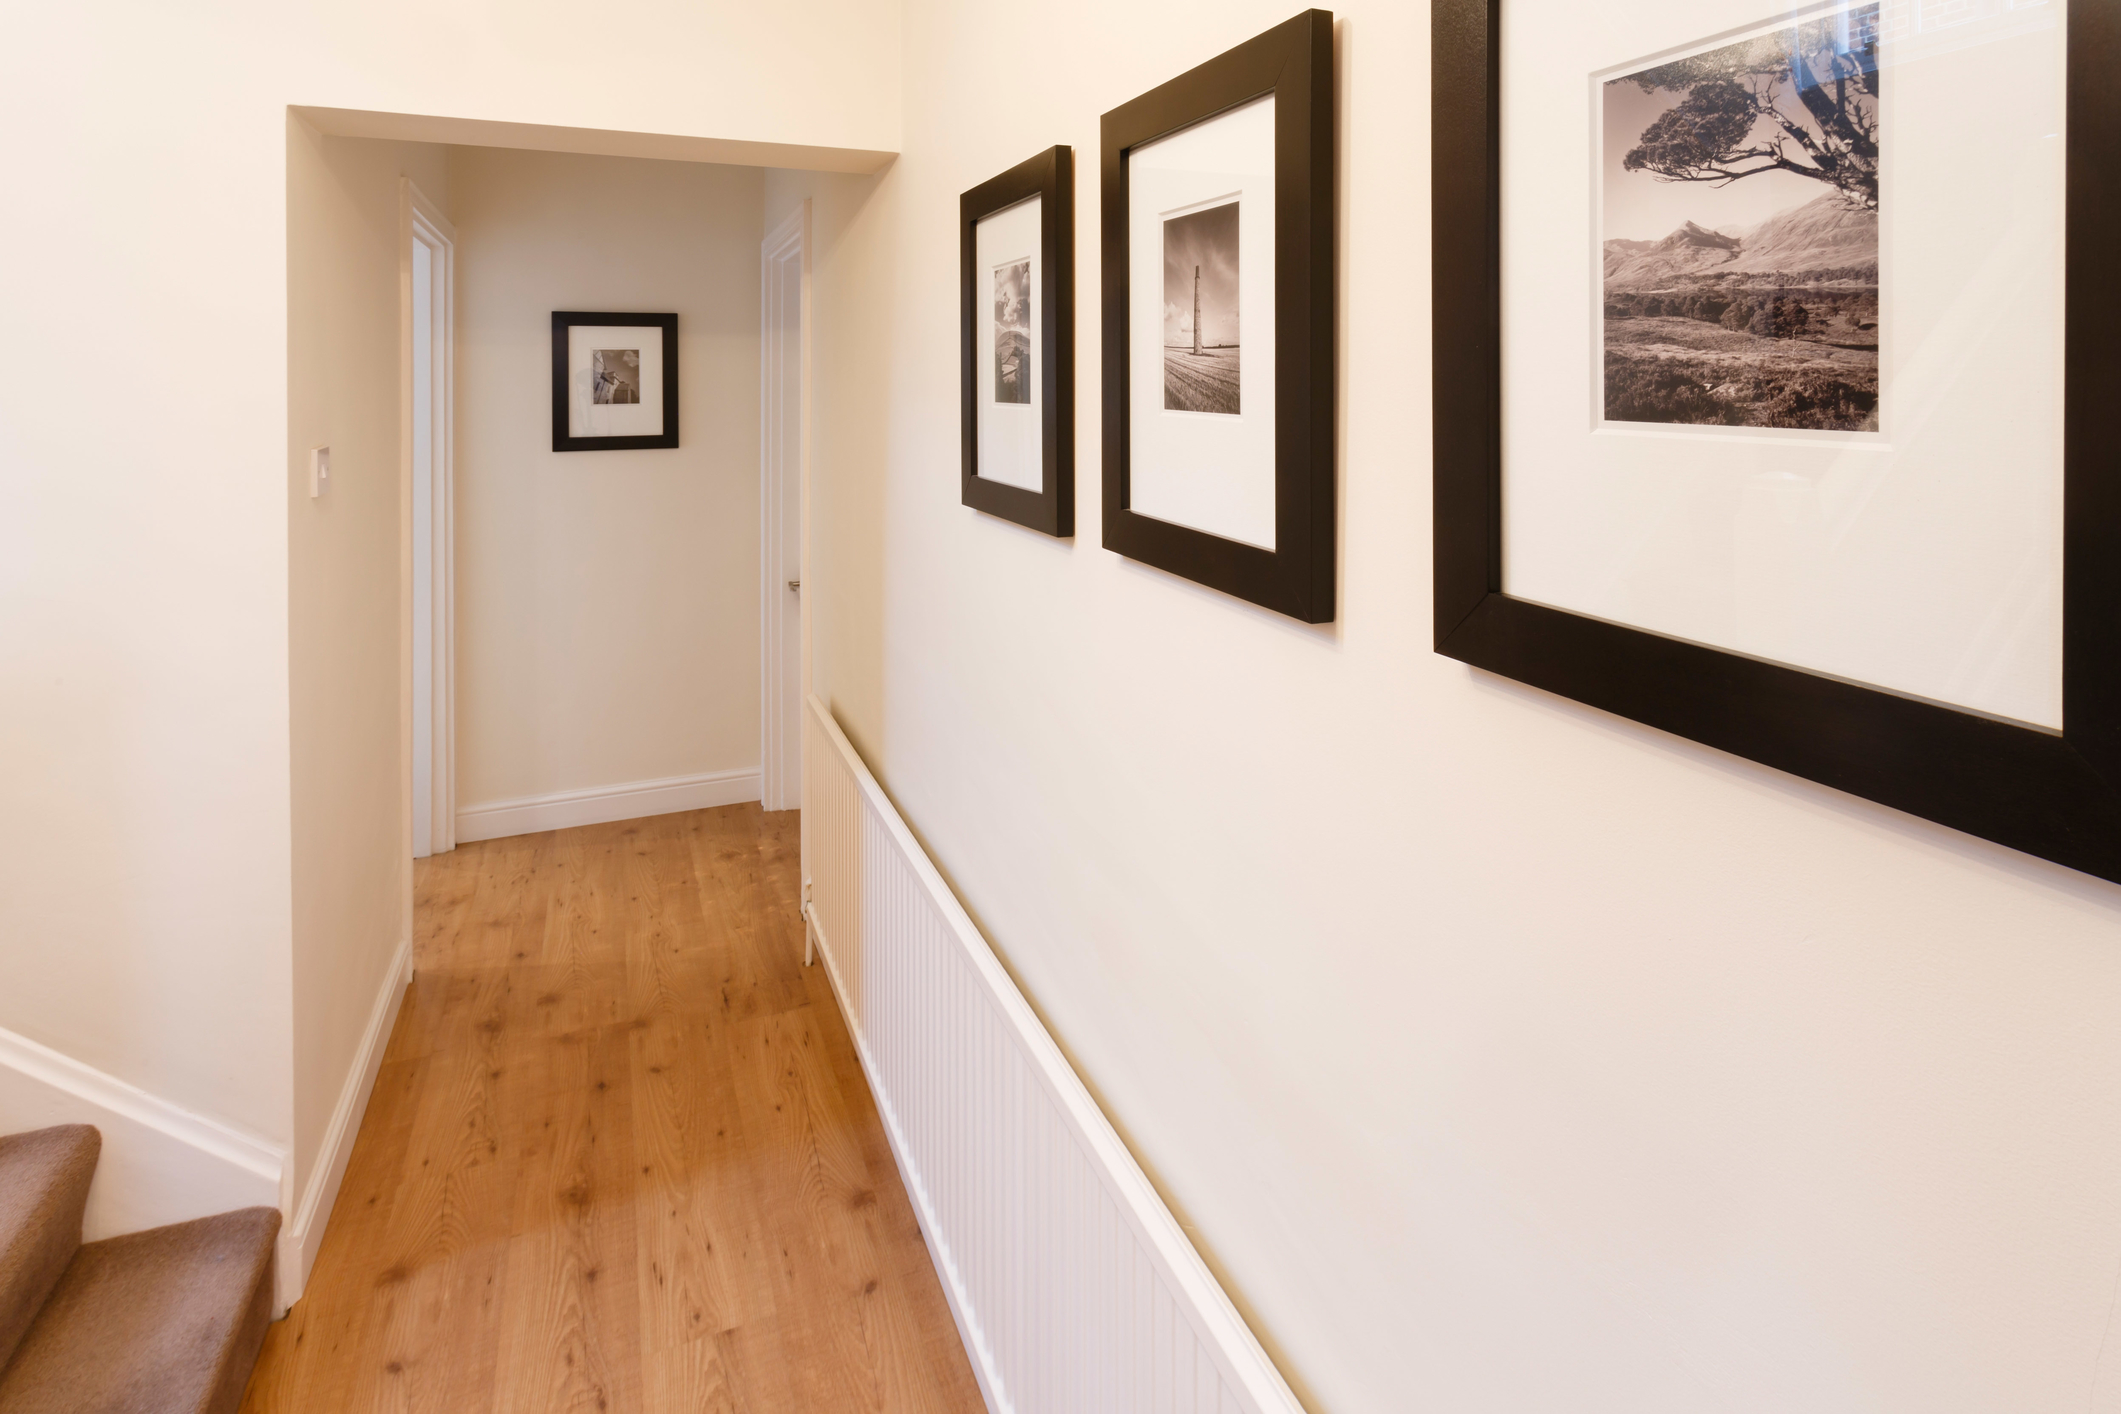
[620,1155]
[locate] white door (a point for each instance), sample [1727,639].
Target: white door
[430,271]
[784,271]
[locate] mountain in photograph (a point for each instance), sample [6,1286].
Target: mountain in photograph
[1690,250]
[1823,241]
[1619,252]
[1773,325]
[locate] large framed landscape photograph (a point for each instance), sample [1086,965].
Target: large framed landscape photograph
[1774,357]
[1016,263]
[1218,275]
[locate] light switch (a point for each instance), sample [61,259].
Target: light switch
[319,471]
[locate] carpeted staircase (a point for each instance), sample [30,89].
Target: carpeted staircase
[167,1321]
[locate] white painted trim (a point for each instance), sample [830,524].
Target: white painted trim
[601,805]
[298,1250]
[596,142]
[62,1072]
[433,580]
[161,1163]
[780,483]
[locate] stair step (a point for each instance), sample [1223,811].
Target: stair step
[167,1321]
[44,1178]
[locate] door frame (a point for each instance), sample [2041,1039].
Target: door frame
[429,527]
[784,490]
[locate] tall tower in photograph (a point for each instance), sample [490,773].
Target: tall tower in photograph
[1196,311]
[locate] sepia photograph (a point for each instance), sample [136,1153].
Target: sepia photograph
[1740,232]
[617,376]
[1012,332]
[1200,311]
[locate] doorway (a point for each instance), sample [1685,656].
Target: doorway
[783,453]
[429,246]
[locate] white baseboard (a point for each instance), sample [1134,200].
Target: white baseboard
[601,805]
[161,1163]
[300,1239]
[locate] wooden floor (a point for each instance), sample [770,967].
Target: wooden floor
[620,1156]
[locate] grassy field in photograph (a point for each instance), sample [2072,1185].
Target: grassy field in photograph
[1661,369]
[1206,382]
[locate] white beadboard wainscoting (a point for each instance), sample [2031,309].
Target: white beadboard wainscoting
[1071,1282]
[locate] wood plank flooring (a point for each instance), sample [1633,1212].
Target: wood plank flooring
[620,1156]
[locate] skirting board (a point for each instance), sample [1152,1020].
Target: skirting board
[300,1239]
[161,1163]
[601,805]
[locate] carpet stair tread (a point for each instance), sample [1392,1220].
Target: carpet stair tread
[44,1179]
[167,1321]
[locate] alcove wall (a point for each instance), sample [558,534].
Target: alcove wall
[607,601]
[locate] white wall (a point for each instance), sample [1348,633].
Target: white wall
[349,610]
[607,602]
[1503,1055]
[147,908]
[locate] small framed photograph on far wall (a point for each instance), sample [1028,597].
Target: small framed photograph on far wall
[614,381]
[1016,240]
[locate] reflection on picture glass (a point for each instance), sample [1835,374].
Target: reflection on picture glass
[1740,230]
[617,376]
[1200,311]
[1012,332]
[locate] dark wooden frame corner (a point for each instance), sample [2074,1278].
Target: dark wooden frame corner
[562,440]
[2050,794]
[1050,176]
[1294,62]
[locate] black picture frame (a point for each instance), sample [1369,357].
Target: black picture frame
[2049,794]
[562,440]
[1294,62]
[1049,176]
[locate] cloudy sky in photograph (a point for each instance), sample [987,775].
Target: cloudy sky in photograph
[1012,295]
[1207,239]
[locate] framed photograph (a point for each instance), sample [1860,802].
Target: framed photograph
[1016,242]
[1774,394]
[1218,208]
[614,381]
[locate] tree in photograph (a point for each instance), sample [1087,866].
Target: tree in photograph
[1802,100]
[1779,319]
